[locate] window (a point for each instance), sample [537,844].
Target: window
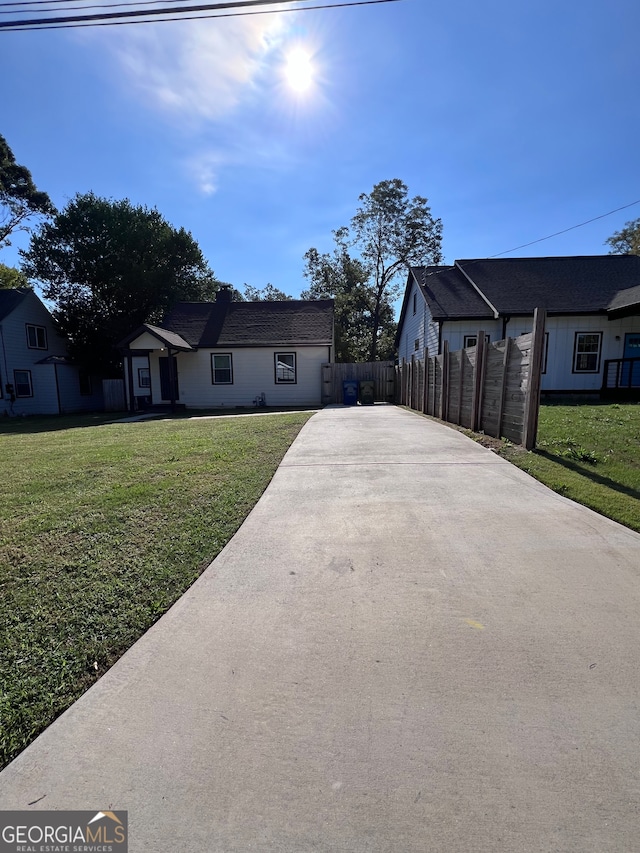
[416,344]
[144,377]
[22,383]
[586,352]
[85,383]
[472,340]
[415,303]
[36,337]
[221,369]
[285,367]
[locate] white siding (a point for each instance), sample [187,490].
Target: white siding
[559,375]
[417,327]
[15,354]
[253,374]
[456,331]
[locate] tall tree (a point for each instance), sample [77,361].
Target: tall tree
[19,196]
[389,233]
[11,278]
[109,266]
[269,293]
[342,278]
[627,240]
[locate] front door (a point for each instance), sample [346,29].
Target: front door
[630,377]
[165,386]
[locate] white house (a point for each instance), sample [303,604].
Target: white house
[592,304]
[231,354]
[36,375]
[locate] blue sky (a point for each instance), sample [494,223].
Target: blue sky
[516,120]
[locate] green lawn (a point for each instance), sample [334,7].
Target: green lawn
[589,453]
[102,528]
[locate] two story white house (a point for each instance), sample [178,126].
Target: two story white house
[37,376]
[231,354]
[592,303]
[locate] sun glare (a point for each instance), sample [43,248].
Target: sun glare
[298,70]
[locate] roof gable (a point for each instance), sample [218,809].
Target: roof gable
[10,299]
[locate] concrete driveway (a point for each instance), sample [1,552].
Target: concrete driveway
[409,645]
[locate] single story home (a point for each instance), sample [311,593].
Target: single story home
[592,304]
[37,377]
[231,354]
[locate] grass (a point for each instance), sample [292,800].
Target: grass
[589,453]
[102,528]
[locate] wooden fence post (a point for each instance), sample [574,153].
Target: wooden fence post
[532,403]
[503,386]
[476,401]
[411,380]
[444,396]
[425,388]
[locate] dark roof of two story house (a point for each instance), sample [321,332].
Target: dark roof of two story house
[499,287]
[193,325]
[10,299]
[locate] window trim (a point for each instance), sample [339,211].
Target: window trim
[36,329]
[465,345]
[277,358]
[577,335]
[142,384]
[16,383]
[215,355]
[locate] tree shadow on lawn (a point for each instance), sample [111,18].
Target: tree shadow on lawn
[32,424]
[590,474]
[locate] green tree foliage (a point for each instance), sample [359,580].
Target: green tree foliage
[12,279]
[19,196]
[627,240]
[269,293]
[389,233]
[109,266]
[344,279]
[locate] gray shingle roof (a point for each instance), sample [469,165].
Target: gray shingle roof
[227,324]
[625,301]
[9,300]
[448,293]
[563,285]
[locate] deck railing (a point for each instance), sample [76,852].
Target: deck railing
[621,374]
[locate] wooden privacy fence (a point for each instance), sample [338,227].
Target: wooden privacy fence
[113,393]
[492,388]
[382,373]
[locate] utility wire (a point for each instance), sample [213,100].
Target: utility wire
[564,230]
[448,267]
[107,19]
[82,8]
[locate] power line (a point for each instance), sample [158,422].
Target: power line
[448,267]
[107,19]
[78,8]
[564,230]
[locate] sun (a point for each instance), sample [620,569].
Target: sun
[298,70]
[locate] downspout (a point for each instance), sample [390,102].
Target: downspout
[505,320]
[440,338]
[55,373]
[6,369]
[172,381]
[130,378]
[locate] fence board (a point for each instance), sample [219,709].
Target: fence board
[383,373]
[488,386]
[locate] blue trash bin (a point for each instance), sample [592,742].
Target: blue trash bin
[350,392]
